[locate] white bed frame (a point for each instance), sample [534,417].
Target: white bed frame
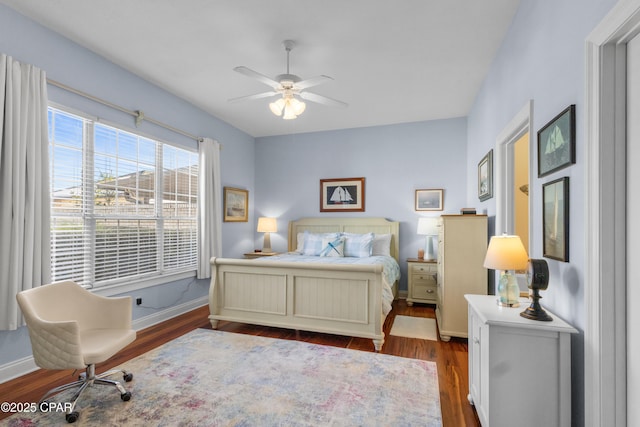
[338,299]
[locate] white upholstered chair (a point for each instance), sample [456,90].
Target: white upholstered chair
[72,328]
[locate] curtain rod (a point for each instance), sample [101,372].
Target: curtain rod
[139,115]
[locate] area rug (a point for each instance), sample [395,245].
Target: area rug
[414,327]
[214,378]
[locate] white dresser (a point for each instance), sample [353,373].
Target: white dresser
[462,246]
[519,369]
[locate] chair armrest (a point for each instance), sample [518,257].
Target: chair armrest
[108,312]
[56,344]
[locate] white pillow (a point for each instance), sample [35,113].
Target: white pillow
[332,247]
[300,242]
[381,244]
[358,245]
[313,242]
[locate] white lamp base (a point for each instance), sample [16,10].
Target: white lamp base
[266,246]
[508,290]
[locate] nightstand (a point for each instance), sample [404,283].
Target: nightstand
[422,281]
[253,255]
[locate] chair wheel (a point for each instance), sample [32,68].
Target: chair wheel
[125,396]
[72,417]
[128,377]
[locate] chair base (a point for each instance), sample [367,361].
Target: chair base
[88,379]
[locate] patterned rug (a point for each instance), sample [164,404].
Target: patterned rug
[213,378]
[414,327]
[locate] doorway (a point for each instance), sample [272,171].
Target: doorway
[512,173]
[611,95]
[633,230]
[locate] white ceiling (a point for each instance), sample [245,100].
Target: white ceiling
[391,61]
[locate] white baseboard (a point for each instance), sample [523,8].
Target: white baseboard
[23,366]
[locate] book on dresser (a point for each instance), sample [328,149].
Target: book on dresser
[462,246]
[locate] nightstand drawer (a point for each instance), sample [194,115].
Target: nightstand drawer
[422,269]
[428,279]
[424,292]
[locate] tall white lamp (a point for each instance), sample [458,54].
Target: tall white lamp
[429,228]
[266,226]
[507,253]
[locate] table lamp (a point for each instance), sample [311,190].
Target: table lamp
[507,253]
[428,227]
[266,226]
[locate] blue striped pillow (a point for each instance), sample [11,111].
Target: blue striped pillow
[358,245]
[313,242]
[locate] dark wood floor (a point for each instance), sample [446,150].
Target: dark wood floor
[451,357]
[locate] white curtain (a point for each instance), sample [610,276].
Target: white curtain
[24,185]
[209,206]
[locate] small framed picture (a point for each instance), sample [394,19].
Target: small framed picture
[342,195]
[485,177]
[429,200]
[557,142]
[555,227]
[236,205]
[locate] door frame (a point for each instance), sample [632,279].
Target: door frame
[605,216]
[519,125]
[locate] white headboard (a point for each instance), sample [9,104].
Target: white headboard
[347,225]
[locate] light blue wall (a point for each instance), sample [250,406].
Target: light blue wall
[543,58]
[395,160]
[71,64]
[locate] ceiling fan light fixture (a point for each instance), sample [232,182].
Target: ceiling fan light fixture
[276,107]
[289,111]
[298,106]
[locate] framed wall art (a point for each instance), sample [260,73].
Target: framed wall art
[485,177]
[429,200]
[342,195]
[557,142]
[555,227]
[236,205]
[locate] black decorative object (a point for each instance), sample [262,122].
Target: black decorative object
[538,279]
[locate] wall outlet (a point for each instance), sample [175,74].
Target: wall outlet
[138,300]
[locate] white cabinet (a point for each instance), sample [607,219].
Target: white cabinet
[519,369]
[462,246]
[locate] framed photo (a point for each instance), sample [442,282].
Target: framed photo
[429,200]
[555,227]
[236,205]
[485,177]
[557,142]
[342,195]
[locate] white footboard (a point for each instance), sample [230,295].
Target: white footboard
[338,299]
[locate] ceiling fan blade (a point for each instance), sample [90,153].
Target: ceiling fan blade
[313,81]
[314,97]
[255,96]
[256,75]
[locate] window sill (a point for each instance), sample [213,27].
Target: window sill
[137,284]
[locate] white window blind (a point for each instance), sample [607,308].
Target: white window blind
[123,206]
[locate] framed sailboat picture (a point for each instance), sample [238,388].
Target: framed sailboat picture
[555,227]
[342,195]
[236,205]
[557,142]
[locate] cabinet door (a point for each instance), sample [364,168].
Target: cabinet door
[475,369]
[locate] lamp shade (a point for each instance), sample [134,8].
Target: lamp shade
[428,226]
[267,225]
[506,253]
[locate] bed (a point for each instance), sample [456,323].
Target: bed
[344,299]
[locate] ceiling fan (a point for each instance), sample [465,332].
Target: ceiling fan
[289,87]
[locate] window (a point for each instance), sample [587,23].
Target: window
[124,206]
